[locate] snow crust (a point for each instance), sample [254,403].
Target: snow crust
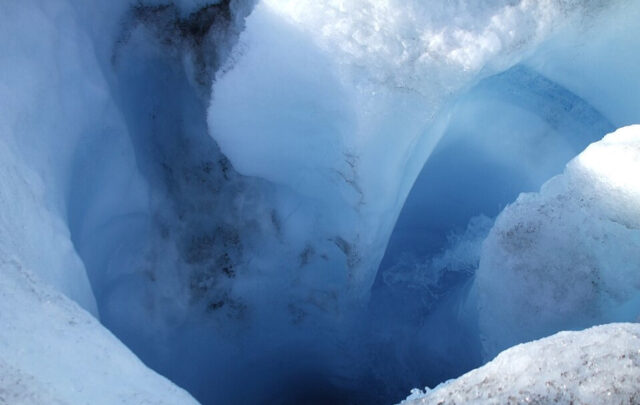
[600,365]
[566,257]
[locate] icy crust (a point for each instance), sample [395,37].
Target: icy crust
[52,351]
[600,365]
[568,256]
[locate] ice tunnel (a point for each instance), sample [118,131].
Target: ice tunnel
[306,202]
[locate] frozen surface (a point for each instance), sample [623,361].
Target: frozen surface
[600,365]
[568,256]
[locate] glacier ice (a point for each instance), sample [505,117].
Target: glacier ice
[594,366]
[220,192]
[566,257]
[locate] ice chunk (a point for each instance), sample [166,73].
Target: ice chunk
[568,256]
[600,365]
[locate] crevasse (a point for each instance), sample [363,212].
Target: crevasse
[296,193]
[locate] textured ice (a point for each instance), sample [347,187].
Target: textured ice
[568,256]
[600,365]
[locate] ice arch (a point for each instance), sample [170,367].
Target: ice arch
[343,104]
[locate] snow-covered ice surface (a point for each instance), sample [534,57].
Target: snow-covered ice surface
[600,365]
[568,256]
[54,352]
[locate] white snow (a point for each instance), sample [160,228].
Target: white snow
[568,256]
[600,365]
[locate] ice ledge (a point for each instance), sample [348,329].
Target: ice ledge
[600,365]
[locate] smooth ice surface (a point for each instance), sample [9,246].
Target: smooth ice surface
[600,365]
[566,257]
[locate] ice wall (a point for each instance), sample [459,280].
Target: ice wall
[597,62]
[340,105]
[509,134]
[343,103]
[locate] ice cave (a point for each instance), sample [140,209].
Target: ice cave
[319,202]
